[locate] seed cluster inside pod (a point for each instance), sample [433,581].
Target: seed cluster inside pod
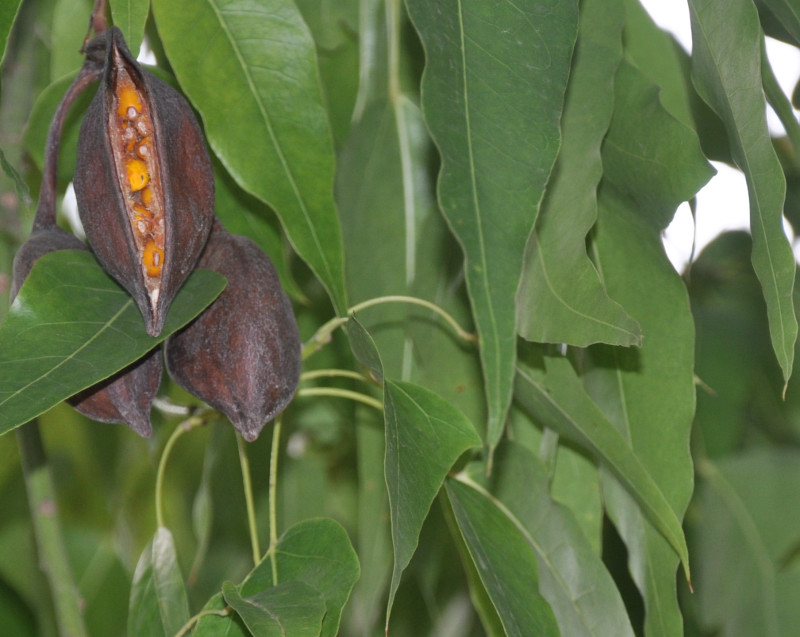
[132,136]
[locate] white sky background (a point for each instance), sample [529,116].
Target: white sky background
[722,204]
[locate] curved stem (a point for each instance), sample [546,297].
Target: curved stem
[273,497]
[333,373]
[46,208]
[323,334]
[341,393]
[248,497]
[53,558]
[196,618]
[182,428]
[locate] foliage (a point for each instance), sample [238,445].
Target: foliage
[613,434]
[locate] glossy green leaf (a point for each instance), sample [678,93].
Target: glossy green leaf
[8,13]
[493,90]
[158,604]
[290,608]
[425,435]
[130,16]
[649,396]
[745,584]
[505,560]
[726,68]
[572,577]
[71,326]
[317,553]
[555,397]
[316,561]
[561,298]
[648,154]
[250,70]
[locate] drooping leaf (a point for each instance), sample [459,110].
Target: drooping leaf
[158,604]
[425,435]
[745,584]
[561,299]
[556,398]
[71,326]
[787,12]
[648,154]
[572,577]
[493,90]
[250,70]
[504,559]
[649,396]
[290,608]
[130,16]
[726,69]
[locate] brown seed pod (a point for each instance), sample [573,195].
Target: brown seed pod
[144,182]
[242,354]
[125,397]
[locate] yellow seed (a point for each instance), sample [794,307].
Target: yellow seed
[129,104]
[153,259]
[138,177]
[147,196]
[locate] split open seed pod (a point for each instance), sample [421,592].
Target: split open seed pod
[144,182]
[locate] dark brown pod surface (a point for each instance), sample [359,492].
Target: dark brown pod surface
[41,242]
[144,182]
[242,355]
[126,397]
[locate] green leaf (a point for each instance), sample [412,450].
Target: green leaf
[216,622]
[561,298]
[241,213]
[158,604]
[726,68]
[38,124]
[649,396]
[130,16]
[555,397]
[505,561]
[744,585]
[250,70]
[8,15]
[71,326]
[425,435]
[290,608]
[572,577]
[492,97]
[316,553]
[648,154]
[70,23]
[788,12]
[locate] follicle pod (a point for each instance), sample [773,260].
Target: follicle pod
[144,182]
[242,354]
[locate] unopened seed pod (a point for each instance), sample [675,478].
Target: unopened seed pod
[143,182]
[126,397]
[242,354]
